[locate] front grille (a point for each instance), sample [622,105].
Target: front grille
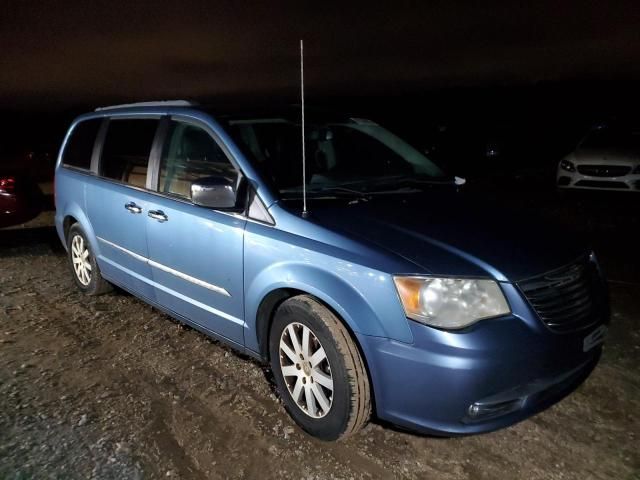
[604,170]
[601,184]
[565,299]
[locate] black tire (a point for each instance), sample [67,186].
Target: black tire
[96,284]
[350,398]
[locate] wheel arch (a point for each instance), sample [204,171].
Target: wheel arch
[67,223]
[265,316]
[270,304]
[72,215]
[360,313]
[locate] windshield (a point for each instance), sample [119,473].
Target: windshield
[337,154]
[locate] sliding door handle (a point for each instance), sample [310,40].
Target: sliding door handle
[132,207]
[158,215]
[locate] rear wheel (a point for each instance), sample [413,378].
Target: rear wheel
[318,369]
[84,267]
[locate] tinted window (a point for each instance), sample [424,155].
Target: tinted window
[189,153]
[79,147]
[125,154]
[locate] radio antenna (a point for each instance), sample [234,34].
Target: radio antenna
[304,158]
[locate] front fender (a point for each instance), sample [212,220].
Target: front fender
[378,313]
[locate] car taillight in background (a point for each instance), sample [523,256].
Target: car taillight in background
[7,185]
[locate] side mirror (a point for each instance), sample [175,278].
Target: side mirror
[215,192]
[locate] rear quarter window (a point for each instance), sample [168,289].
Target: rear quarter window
[79,148]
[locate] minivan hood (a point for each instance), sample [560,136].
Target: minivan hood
[455,233]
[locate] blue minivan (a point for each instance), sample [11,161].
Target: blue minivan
[397,294]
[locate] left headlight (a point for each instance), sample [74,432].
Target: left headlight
[450,303]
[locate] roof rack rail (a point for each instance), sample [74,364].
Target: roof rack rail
[160,103]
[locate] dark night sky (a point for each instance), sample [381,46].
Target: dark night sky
[54,54]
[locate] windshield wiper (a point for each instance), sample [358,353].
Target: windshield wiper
[378,186]
[400,182]
[340,189]
[333,189]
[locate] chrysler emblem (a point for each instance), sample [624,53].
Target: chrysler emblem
[567,276]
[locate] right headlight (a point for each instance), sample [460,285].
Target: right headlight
[567,165]
[450,303]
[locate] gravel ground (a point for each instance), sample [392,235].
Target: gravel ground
[110,388]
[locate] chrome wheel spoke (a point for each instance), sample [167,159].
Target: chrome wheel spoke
[305,341]
[323,379]
[297,390]
[320,397]
[317,357]
[75,247]
[288,352]
[290,371]
[293,337]
[312,409]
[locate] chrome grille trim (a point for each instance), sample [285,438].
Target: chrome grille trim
[565,298]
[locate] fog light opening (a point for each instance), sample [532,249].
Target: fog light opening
[480,411]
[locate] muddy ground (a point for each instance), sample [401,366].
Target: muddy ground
[110,388]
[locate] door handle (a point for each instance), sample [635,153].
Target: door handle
[132,207]
[158,215]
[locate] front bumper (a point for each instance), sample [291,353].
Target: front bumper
[510,368]
[576,180]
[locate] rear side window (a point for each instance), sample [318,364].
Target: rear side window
[79,147]
[126,149]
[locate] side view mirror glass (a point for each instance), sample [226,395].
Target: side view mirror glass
[215,192]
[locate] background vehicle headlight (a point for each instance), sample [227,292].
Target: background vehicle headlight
[450,302]
[567,165]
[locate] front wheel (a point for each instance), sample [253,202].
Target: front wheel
[82,261]
[318,370]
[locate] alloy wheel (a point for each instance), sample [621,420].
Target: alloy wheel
[306,370]
[80,259]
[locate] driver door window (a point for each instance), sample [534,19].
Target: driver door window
[190,154]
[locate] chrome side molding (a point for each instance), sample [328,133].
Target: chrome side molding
[164,268]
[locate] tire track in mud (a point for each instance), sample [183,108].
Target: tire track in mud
[97,332]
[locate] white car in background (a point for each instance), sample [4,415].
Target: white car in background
[605,159]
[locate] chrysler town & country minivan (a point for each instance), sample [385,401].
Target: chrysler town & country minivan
[396,295]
